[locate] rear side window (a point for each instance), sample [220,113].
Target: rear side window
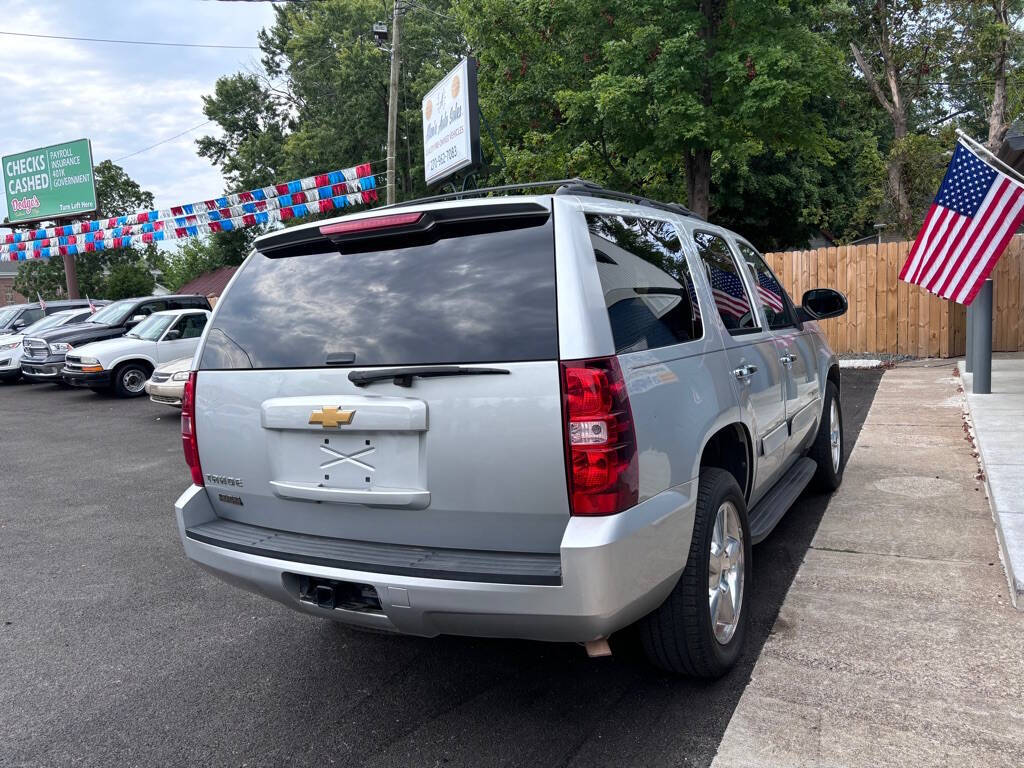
[730,295]
[191,326]
[150,307]
[646,282]
[484,295]
[189,303]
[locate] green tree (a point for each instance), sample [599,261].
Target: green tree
[651,97]
[986,82]
[323,103]
[197,256]
[128,280]
[899,47]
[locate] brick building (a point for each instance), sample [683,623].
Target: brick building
[8,269]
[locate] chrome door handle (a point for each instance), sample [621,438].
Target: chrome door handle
[744,372]
[787,359]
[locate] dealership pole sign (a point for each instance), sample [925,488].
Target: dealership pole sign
[451,124]
[50,182]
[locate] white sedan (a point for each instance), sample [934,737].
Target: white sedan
[123,365]
[167,384]
[10,345]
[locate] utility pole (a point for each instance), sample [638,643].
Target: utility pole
[396,32]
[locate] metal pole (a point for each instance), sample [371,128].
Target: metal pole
[968,362]
[982,351]
[396,32]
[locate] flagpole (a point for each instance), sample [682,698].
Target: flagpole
[1014,174]
[979,347]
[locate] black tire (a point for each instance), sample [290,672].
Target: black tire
[678,636]
[11,379]
[124,377]
[828,477]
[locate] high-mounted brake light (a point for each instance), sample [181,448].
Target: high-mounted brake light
[370,224]
[188,429]
[600,440]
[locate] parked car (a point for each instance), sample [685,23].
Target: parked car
[43,356]
[15,317]
[124,365]
[167,384]
[11,344]
[548,417]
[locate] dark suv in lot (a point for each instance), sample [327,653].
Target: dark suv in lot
[44,354]
[17,316]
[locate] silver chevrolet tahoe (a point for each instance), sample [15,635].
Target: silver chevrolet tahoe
[548,417]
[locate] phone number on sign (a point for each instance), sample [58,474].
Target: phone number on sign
[442,159]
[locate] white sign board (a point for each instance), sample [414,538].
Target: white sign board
[451,132]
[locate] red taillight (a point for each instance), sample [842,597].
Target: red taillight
[600,441]
[372,223]
[188,429]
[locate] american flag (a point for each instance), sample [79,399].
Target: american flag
[769,292]
[971,220]
[692,291]
[730,296]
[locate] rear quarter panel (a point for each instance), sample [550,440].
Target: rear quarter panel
[680,397]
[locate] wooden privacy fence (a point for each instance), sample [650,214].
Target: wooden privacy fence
[888,316]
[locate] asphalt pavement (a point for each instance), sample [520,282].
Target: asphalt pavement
[117,651]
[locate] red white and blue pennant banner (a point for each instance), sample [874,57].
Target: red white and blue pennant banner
[280,202]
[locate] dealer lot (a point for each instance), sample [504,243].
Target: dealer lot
[119,651]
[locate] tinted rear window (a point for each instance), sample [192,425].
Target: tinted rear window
[647,285]
[482,296]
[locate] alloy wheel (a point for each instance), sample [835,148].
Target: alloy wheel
[726,573]
[835,436]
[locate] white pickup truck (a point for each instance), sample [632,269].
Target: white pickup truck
[123,365]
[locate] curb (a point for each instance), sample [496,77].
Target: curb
[1009,524]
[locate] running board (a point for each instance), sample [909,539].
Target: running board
[766,515]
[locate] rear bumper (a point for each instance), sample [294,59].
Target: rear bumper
[94,380]
[614,570]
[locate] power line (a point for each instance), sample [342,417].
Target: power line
[410,4]
[130,42]
[206,122]
[162,141]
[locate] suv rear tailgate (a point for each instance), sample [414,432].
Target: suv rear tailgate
[463,462]
[288,440]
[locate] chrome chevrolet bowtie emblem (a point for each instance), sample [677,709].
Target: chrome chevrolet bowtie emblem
[330,417]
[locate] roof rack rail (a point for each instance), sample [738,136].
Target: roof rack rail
[583,187]
[574,186]
[486,191]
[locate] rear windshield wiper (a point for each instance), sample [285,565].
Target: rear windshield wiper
[403,377]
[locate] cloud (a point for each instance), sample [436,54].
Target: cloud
[123,97]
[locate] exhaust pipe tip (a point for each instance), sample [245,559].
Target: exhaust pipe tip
[598,648]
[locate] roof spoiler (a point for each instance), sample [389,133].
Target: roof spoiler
[352,235]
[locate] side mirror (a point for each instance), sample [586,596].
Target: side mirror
[18,325]
[135,321]
[822,303]
[172,335]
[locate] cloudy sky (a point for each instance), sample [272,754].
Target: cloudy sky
[123,97]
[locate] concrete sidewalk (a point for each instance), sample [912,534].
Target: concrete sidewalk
[998,422]
[897,643]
